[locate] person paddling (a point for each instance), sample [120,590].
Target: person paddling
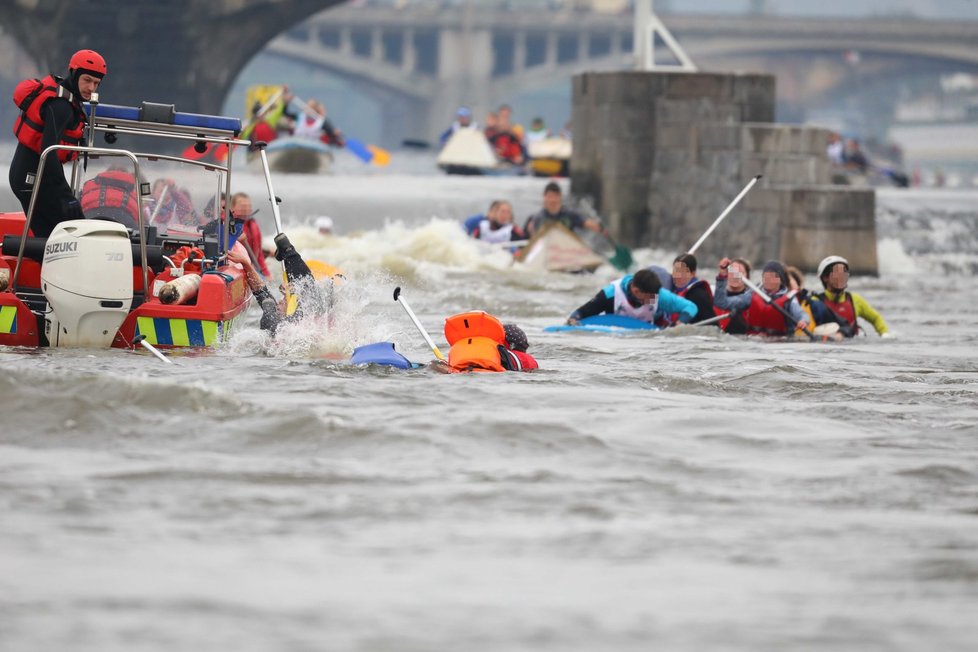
[639,296]
[833,271]
[763,318]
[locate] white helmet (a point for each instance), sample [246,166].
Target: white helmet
[829,261]
[324,223]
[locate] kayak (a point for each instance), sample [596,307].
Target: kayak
[615,324]
[298,155]
[555,248]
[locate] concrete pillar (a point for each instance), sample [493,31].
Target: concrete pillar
[409,53]
[519,53]
[346,41]
[662,154]
[376,44]
[465,60]
[550,62]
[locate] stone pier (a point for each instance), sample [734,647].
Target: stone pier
[662,154]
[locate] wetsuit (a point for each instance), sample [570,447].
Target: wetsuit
[612,298]
[55,201]
[565,216]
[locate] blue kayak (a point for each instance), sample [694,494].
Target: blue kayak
[605,324]
[381,353]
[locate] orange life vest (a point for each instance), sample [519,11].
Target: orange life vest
[112,189]
[474,338]
[30,95]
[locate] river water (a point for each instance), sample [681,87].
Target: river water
[677,491]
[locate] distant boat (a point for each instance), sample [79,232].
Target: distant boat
[550,157]
[298,155]
[468,152]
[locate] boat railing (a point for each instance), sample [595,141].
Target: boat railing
[37,186]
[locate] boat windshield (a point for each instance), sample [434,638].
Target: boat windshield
[176,197]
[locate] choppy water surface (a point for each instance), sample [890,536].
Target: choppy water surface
[680,491]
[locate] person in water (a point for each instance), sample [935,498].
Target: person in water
[833,272]
[733,277]
[312,299]
[639,296]
[687,285]
[555,211]
[513,355]
[763,318]
[52,114]
[496,225]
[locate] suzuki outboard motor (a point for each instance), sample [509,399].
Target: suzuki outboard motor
[87,279]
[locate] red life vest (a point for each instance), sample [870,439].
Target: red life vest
[30,95]
[507,147]
[674,317]
[252,234]
[111,189]
[845,308]
[764,319]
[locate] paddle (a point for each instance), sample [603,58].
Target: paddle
[768,300]
[622,257]
[141,339]
[401,300]
[716,222]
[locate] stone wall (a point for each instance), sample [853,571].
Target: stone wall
[662,154]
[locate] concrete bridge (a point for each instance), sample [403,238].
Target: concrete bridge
[183,51]
[425,61]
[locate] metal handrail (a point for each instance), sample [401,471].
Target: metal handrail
[37,185]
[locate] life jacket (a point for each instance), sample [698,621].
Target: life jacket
[645,312]
[252,235]
[502,234]
[507,147]
[110,189]
[309,126]
[30,95]
[845,308]
[517,360]
[764,319]
[474,338]
[674,317]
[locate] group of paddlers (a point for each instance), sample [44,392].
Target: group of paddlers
[780,306]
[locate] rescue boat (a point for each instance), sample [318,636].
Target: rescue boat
[96,283]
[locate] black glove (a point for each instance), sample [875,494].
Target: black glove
[270,317]
[283,248]
[71,209]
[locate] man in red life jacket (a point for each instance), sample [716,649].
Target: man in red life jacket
[52,114]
